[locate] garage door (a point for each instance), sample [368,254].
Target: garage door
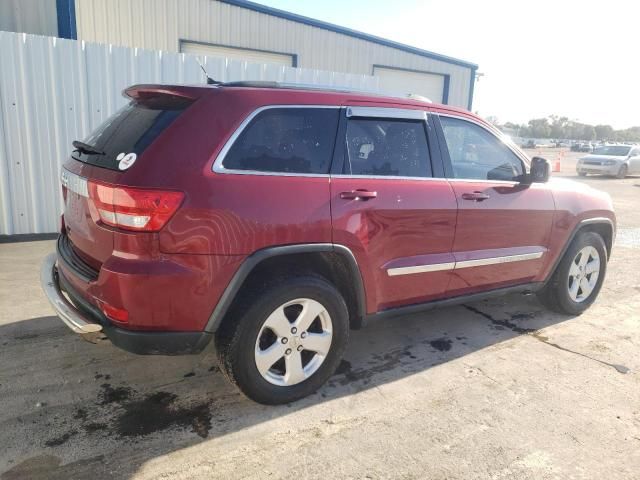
[430,85]
[247,55]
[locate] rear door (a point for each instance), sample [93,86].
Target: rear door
[503,226]
[388,207]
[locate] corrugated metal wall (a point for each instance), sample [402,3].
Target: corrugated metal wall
[161,24]
[53,91]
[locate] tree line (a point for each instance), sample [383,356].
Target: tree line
[557,127]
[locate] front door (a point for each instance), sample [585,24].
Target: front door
[503,226]
[387,207]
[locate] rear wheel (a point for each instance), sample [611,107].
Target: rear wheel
[287,341]
[578,278]
[622,173]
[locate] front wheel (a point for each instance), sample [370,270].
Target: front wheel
[622,173]
[286,342]
[578,278]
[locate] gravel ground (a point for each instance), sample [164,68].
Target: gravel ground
[488,390]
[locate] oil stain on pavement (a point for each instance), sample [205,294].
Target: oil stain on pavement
[134,415]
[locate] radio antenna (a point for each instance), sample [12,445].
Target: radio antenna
[210,81]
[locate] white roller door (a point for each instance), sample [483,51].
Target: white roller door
[395,80]
[247,55]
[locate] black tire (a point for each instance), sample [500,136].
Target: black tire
[582,174]
[555,295]
[236,339]
[622,173]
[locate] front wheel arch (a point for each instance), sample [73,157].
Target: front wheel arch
[604,229]
[623,171]
[603,226]
[556,293]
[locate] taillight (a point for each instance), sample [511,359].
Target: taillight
[135,209]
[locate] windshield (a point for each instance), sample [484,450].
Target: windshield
[613,150]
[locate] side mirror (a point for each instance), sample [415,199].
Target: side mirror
[540,170]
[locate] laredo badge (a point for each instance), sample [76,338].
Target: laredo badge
[126,160]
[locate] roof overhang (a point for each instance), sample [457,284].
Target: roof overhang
[256,7]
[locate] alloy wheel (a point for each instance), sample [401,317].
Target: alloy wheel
[293,342]
[583,274]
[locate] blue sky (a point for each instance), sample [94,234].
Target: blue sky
[579,59]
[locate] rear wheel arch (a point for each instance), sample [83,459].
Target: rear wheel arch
[334,263]
[270,360]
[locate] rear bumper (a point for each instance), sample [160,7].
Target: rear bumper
[72,317]
[85,319]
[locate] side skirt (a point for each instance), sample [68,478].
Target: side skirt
[447,302]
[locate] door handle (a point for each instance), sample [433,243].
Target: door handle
[475,196]
[360,194]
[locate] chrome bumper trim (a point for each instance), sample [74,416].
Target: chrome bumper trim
[69,314]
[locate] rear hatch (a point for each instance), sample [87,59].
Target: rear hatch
[91,179]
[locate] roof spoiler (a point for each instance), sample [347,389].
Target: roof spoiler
[169,93]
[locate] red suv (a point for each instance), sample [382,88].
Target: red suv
[272,219]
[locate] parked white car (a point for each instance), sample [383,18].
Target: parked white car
[617,160]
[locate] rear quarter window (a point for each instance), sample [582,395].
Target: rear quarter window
[130,130]
[286,140]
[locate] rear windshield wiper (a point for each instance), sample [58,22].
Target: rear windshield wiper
[86,148]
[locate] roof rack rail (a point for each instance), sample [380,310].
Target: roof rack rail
[319,87]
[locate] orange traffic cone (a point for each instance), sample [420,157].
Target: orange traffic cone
[556,167]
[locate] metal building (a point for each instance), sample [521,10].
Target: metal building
[51,18]
[54,91]
[252,32]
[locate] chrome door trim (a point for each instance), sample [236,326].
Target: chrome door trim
[434,267]
[384,112]
[480,262]
[470,180]
[218,166]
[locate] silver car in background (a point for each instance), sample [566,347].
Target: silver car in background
[616,160]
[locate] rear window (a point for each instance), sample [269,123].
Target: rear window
[286,140]
[130,130]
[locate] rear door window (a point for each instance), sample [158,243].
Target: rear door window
[387,147]
[130,130]
[286,140]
